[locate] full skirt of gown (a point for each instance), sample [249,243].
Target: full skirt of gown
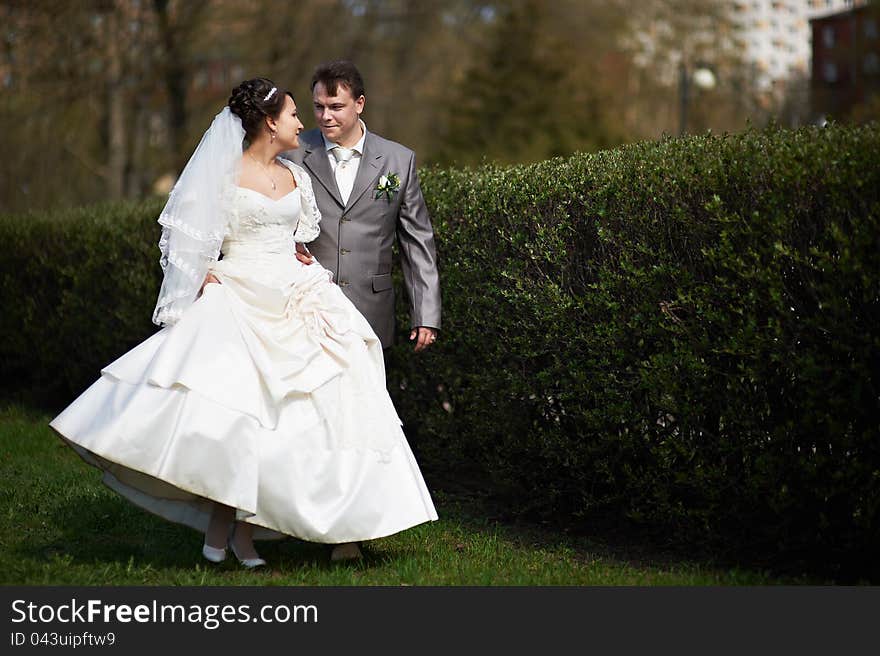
[268,395]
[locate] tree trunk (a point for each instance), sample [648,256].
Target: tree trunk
[175,76]
[116,146]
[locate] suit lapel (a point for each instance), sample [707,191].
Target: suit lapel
[315,159]
[368,171]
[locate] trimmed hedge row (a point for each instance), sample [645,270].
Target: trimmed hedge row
[77,289]
[681,335]
[678,335]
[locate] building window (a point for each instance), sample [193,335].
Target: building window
[871,28]
[829,71]
[828,36]
[872,63]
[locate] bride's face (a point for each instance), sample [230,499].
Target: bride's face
[288,126]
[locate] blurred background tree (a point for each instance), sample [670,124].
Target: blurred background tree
[532,89]
[107,98]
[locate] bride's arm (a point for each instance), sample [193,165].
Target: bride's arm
[310,216]
[307,228]
[210,278]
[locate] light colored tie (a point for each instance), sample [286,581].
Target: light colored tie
[344,171]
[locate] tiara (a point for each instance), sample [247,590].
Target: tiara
[270,94]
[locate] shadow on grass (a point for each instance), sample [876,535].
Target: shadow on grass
[105,530]
[605,542]
[111,530]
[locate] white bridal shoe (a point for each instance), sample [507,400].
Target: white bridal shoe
[217,555]
[250,563]
[213,554]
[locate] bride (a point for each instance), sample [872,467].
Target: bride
[259,411]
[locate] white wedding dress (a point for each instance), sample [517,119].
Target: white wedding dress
[267,395]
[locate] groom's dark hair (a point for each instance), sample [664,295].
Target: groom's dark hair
[336,73]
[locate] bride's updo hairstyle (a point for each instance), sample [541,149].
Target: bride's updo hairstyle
[253,100]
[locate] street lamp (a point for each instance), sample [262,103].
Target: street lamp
[702,77]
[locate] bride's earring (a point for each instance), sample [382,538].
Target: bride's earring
[272,140]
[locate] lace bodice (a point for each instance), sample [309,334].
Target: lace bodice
[259,224]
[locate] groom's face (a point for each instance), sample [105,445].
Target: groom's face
[337,115]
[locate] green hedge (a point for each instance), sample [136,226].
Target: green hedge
[678,335]
[77,289]
[681,335]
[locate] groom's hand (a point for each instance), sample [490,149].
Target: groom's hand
[423,337]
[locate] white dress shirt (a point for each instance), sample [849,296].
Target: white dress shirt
[348,171]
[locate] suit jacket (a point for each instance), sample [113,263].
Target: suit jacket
[356,237]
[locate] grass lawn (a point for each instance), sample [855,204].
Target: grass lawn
[61,526]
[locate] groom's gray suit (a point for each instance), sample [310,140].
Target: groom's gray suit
[357,236]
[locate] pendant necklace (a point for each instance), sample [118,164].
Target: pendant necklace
[271,179]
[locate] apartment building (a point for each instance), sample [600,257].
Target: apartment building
[776,36]
[845,60]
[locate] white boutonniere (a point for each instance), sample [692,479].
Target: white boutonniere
[388,186]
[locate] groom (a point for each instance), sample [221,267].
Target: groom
[368,193]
